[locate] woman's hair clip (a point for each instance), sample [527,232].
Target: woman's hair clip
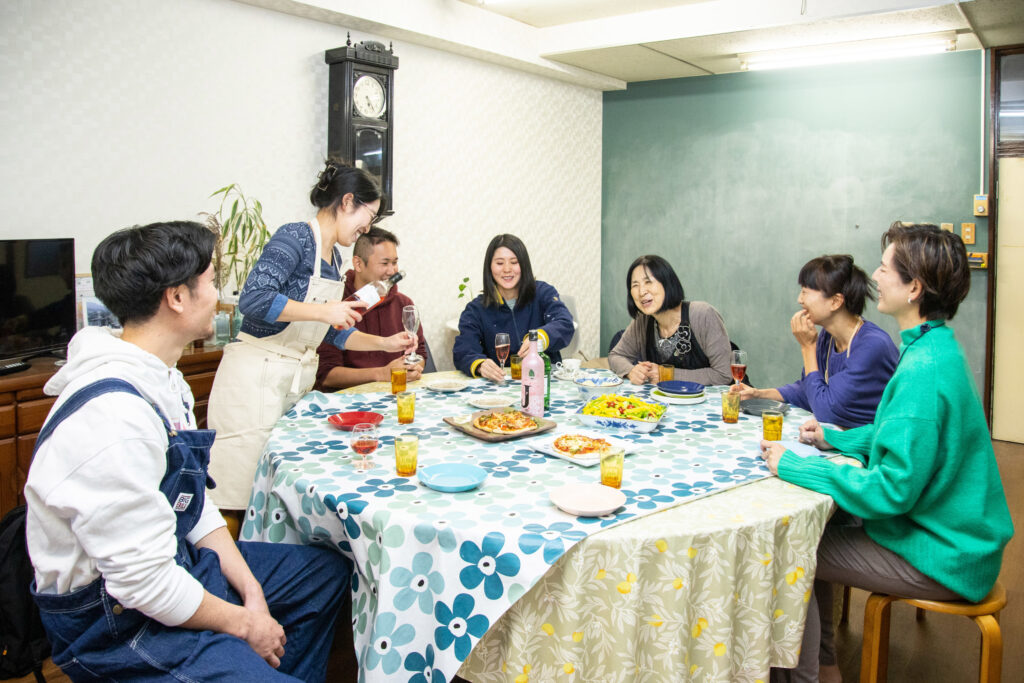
[326,176]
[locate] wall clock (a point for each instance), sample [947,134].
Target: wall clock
[361,109]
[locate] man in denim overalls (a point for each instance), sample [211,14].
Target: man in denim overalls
[136,575]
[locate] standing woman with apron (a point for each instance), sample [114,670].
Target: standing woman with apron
[291,302]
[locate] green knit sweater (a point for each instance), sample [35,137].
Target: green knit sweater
[930,490]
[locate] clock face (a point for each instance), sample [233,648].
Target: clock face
[368,97]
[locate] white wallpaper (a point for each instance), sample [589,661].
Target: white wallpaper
[120,112]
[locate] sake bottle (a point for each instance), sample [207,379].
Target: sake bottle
[531,392]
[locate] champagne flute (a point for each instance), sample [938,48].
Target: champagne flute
[363,441]
[411,322]
[738,366]
[502,345]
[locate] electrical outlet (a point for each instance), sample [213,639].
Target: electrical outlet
[967,232]
[948,227]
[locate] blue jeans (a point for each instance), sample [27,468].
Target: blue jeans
[304,588]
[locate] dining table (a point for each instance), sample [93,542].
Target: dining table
[703,573]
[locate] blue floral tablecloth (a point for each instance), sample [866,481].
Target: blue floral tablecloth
[435,570]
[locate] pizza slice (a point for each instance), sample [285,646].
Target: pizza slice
[505,422]
[580,445]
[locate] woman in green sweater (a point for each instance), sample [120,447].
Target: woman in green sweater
[926,515]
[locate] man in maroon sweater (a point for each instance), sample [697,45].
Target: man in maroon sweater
[374,257]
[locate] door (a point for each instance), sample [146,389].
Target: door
[1008,340]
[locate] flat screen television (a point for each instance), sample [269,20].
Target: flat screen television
[37,297]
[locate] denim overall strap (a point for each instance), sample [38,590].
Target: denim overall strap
[86,394]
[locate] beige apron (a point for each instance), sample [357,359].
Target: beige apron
[258,381]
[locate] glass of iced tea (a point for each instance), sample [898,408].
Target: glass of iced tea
[406,406]
[612,466]
[730,407]
[398,376]
[363,441]
[771,423]
[406,452]
[517,366]
[666,372]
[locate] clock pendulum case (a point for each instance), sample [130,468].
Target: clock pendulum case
[360,109]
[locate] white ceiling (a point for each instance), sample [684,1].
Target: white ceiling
[639,40]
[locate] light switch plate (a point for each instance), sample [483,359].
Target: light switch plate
[967,232]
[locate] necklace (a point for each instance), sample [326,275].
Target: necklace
[849,345]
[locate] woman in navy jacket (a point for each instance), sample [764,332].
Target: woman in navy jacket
[513,302]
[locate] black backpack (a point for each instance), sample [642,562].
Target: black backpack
[23,643]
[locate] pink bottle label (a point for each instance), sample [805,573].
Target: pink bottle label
[532,393]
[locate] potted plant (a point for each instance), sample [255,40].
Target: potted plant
[243,234]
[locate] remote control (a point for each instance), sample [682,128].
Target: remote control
[18,366]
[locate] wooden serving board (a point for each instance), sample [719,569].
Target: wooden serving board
[543,425]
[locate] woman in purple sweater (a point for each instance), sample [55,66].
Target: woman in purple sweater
[848,363]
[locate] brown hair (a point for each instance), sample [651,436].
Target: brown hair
[935,258]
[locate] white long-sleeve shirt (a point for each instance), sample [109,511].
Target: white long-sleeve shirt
[93,490]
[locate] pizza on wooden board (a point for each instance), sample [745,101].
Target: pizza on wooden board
[510,422]
[577,445]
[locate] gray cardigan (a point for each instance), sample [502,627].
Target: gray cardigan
[709,331]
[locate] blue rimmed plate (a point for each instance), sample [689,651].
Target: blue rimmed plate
[452,477]
[678,387]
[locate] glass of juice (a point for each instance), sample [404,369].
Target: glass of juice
[398,376]
[730,407]
[738,365]
[666,372]
[517,366]
[771,422]
[406,406]
[406,453]
[363,441]
[612,466]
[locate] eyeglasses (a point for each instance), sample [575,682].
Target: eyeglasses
[373,214]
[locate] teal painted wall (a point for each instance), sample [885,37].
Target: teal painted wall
[740,179]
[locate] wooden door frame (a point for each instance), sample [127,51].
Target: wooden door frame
[995,153]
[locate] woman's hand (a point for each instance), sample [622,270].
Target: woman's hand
[525,348]
[403,341]
[812,433]
[644,372]
[341,314]
[490,370]
[772,452]
[744,391]
[804,331]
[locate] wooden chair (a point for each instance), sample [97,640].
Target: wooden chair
[874,659]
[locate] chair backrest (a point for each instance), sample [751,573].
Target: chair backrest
[615,340]
[574,343]
[428,365]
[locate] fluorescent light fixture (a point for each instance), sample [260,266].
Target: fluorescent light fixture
[857,51]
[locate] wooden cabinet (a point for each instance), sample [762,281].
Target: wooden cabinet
[24,407]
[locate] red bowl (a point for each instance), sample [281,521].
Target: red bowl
[346,421]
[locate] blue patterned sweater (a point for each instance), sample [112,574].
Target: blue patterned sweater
[282,273]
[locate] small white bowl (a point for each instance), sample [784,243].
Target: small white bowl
[592,386]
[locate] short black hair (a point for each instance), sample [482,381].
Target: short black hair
[338,179]
[833,274]
[662,271]
[133,267]
[370,239]
[527,283]
[935,258]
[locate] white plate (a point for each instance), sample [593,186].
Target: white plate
[447,385]
[678,400]
[547,447]
[489,402]
[563,375]
[588,500]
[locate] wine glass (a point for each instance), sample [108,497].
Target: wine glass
[502,345]
[738,366]
[363,441]
[411,322]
